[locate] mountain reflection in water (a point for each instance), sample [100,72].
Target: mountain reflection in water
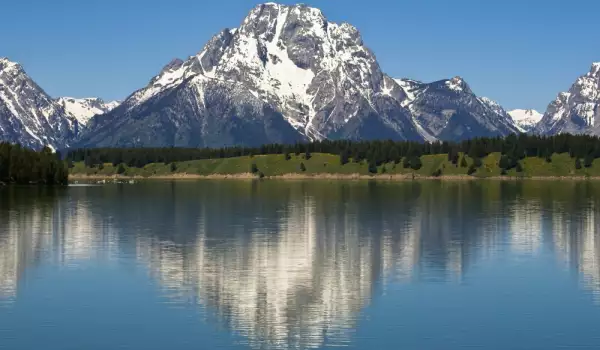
[294,264]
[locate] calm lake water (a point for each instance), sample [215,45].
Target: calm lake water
[301,265]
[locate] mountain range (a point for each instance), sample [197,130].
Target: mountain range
[286,74]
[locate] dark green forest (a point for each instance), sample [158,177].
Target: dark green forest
[582,148]
[21,165]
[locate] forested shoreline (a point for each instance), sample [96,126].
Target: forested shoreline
[499,156]
[583,149]
[20,165]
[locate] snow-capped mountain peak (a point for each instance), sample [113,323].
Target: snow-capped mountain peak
[6,64]
[526,119]
[284,61]
[578,110]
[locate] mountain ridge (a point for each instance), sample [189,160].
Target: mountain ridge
[285,75]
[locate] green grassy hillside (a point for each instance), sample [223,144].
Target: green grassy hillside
[273,165]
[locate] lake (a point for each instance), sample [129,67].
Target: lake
[301,265]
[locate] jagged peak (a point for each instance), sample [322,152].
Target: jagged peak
[298,7]
[6,63]
[264,19]
[456,84]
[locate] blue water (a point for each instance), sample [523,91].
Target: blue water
[301,265]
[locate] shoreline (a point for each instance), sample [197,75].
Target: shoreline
[326,176]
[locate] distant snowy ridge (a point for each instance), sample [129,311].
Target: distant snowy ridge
[449,110]
[83,109]
[526,119]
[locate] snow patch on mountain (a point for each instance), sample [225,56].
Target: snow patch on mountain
[525,119]
[83,109]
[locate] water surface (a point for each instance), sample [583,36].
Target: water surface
[301,265]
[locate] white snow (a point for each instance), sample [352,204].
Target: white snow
[290,80]
[595,68]
[525,119]
[408,89]
[83,109]
[455,84]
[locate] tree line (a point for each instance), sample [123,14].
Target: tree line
[22,165]
[513,149]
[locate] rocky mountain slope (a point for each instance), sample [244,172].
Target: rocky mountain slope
[28,115]
[449,110]
[576,111]
[285,75]
[526,119]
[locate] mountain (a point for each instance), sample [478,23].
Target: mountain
[285,75]
[576,111]
[28,115]
[83,109]
[525,119]
[449,110]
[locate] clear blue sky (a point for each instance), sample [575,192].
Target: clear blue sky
[520,53]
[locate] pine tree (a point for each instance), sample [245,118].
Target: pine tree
[302,167]
[519,167]
[504,162]
[344,157]
[577,163]
[395,155]
[372,167]
[463,162]
[415,163]
[588,161]
[472,170]
[253,168]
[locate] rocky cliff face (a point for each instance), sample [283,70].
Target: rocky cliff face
[576,111]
